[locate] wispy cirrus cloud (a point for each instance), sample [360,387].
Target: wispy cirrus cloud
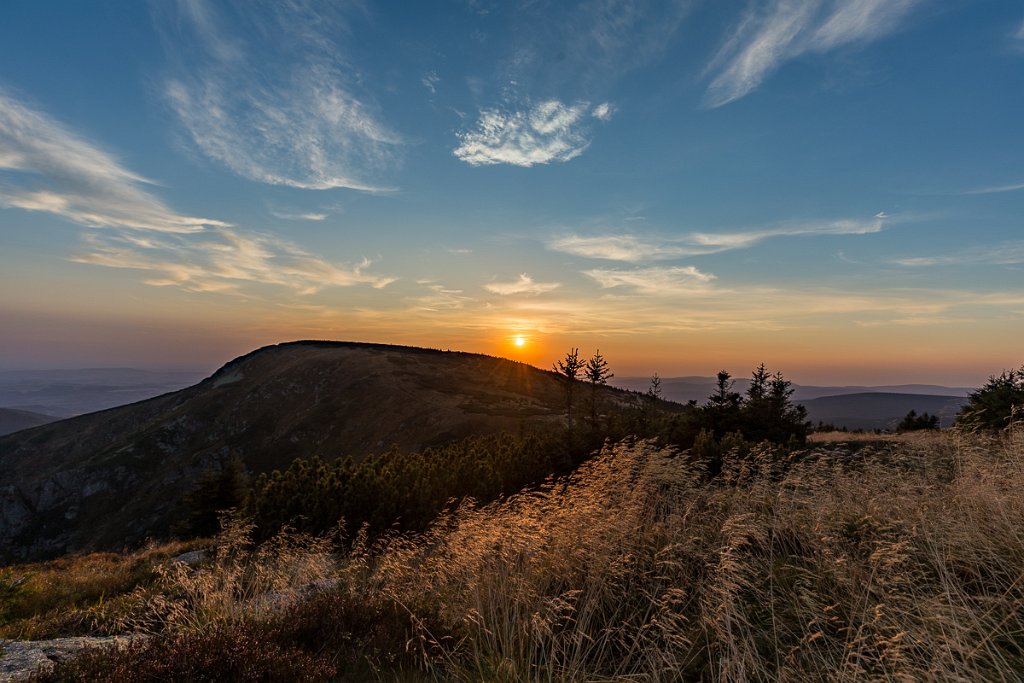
[635,249]
[1004,254]
[741,239]
[300,215]
[773,33]
[996,189]
[439,297]
[222,260]
[629,248]
[539,134]
[524,284]
[46,167]
[657,281]
[291,118]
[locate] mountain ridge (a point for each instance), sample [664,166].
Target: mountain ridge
[118,475]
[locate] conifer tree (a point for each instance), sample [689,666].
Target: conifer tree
[597,373]
[994,406]
[654,391]
[569,368]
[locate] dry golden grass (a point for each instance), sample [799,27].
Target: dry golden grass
[901,563]
[926,436]
[80,594]
[896,561]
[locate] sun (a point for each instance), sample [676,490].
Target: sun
[519,340]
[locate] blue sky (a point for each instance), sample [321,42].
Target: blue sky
[833,188]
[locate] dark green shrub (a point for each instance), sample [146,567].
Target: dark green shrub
[992,407]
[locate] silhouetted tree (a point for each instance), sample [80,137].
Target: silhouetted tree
[654,391]
[759,384]
[913,422]
[569,368]
[789,419]
[994,405]
[597,373]
[722,411]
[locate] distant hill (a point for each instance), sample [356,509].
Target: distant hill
[683,389]
[13,420]
[99,480]
[877,410]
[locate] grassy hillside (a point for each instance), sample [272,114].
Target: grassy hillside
[872,561]
[118,476]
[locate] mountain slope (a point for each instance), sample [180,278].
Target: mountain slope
[117,476]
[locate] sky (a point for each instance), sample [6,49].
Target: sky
[834,188]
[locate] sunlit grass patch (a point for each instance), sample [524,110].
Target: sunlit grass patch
[895,560]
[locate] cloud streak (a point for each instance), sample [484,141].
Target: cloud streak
[1005,254]
[629,248]
[635,249]
[997,189]
[739,240]
[673,280]
[47,168]
[292,216]
[781,30]
[222,260]
[540,134]
[524,284]
[290,118]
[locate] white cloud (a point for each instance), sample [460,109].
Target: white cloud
[656,281]
[782,30]
[222,260]
[1020,33]
[55,171]
[1005,254]
[629,248]
[603,111]
[542,133]
[633,249]
[48,168]
[737,240]
[524,284]
[290,117]
[299,216]
[430,81]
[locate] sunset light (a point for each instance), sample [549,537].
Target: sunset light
[405,174]
[590,340]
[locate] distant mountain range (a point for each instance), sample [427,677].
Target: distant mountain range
[12,420]
[854,407]
[683,389]
[880,410]
[66,393]
[120,475]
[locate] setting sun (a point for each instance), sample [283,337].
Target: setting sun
[519,341]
